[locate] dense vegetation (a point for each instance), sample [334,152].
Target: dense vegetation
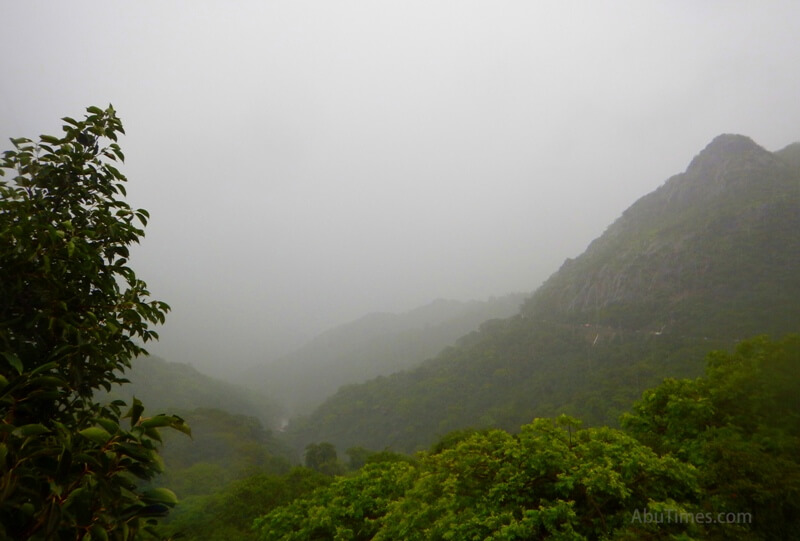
[164,385]
[511,372]
[374,345]
[224,447]
[690,449]
[230,472]
[709,258]
[235,471]
[717,457]
[73,316]
[229,511]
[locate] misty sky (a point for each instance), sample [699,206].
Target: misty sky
[306,163]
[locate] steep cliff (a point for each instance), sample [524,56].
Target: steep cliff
[709,258]
[725,227]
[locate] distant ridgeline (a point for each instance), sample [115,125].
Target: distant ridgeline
[169,386]
[709,258]
[376,344]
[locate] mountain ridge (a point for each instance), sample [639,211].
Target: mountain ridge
[710,257]
[166,386]
[713,199]
[373,345]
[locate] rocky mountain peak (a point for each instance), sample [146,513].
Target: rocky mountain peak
[674,246]
[723,151]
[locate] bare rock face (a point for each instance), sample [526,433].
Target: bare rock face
[696,238]
[722,151]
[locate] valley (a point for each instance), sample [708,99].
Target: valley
[709,259]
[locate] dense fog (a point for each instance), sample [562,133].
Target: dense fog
[306,163]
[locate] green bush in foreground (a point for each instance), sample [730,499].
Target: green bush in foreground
[72,317]
[711,458]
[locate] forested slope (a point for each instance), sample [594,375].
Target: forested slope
[710,458]
[710,257]
[373,345]
[164,385]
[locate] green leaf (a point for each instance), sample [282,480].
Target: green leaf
[50,139]
[110,426]
[44,368]
[135,412]
[160,495]
[46,382]
[76,494]
[96,434]
[135,451]
[158,421]
[31,430]
[116,150]
[14,361]
[94,110]
[153,433]
[98,532]
[181,426]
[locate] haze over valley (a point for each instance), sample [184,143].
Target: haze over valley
[308,163]
[449,270]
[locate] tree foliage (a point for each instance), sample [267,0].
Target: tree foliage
[224,447]
[322,457]
[228,513]
[711,256]
[73,315]
[740,426]
[551,480]
[711,458]
[350,508]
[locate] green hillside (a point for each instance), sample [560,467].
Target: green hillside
[376,344]
[229,472]
[712,252]
[710,257]
[714,457]
[169,386]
